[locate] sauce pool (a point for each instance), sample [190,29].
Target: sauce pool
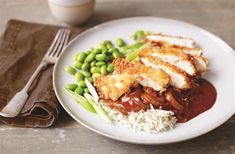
[201,98]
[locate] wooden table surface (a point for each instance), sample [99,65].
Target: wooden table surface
[68,136]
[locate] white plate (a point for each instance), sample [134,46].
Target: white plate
[221,73]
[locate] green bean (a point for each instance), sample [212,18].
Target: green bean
[100,63]
[86,74]
[90,57]
[103,70]
[70,70]
[98,108]
[86,90]
[95,75]
[79,76]
[132,55]
[85,66]
[92,63]
[81,57]
[110,68]
[95,70]
[120,42]
[111,50]
[71,86]
[81,100]
[116,54]
[82,84]
[79,90]
[100,57]
[90,79]
[77,64]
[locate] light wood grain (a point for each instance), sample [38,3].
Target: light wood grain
[68,136]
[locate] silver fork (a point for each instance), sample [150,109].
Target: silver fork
[15,105]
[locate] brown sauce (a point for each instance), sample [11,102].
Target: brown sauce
[201,98]
[185,104]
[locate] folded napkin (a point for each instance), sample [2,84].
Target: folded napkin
[22,47]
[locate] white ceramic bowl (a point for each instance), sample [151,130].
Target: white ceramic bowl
[72,12]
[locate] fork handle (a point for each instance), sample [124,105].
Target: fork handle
[15,105]
[35,74]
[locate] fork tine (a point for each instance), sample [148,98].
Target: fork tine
[67,38]
[62,43]
[49,51]
[57,44]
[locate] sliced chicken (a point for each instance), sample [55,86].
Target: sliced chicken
[170,40]
[145,75]
[179,79]
[200,63]
[172,56]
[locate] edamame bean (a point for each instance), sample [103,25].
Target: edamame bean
[86,74]
[87,52]
[110,68]
[85,66]
[90,79]
[95,70]
[79,76]
[120,42]
[90,57]
[104,51]
[107,42]
[86,90]
[109,46]
[103,70]
[70,70]
[71,86]
[100,57]
[77,64]
[81,57]
[82,83]
[111,50]
[79,90]
[92,63]
[96,51]
[116,54]
[95,75]
[107,59]
[99,63]
[111,57]
[102,46]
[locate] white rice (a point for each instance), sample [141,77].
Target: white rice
[151,120]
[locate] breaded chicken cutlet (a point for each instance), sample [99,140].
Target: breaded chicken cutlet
[145,75]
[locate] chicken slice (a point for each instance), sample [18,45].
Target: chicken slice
[191,51]
[145,75]
[200,63]
[113,86]
[179,79]
[170,40]
[174,57]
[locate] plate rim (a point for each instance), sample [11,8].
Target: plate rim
[216,38]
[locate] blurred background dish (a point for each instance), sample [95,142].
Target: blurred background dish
[72,12]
